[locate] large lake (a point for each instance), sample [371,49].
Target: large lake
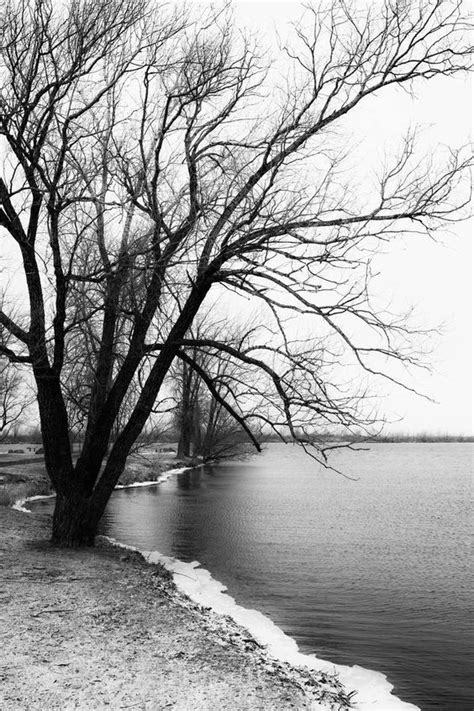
[374,572]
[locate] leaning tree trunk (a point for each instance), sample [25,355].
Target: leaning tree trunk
[77,511]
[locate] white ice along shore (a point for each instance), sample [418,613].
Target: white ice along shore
[373,688]
[19,505]
[163,477]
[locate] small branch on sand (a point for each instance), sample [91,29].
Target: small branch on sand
[53,611]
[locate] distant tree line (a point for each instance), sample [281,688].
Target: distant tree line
[416,437]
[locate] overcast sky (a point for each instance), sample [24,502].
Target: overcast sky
[436,277]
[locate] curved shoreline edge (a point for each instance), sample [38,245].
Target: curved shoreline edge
[19,505]
[373,690]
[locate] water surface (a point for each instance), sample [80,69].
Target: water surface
[372,572]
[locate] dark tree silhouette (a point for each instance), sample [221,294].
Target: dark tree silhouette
[210,389]
[14,396]
[13,402]
[151,161]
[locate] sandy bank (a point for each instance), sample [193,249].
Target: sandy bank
[101,628]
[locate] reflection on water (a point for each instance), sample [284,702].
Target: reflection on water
[374,572]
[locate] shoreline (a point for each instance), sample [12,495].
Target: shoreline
[19,504]
[366,689]
[103,627]
[164,476]
[362,689]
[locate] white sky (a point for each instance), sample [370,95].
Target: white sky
[436,277]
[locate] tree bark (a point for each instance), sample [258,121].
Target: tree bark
[184,443]
[75,520]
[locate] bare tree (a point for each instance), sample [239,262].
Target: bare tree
[13,402]
[187,413]
[216,400]
[151,161]
[14,397]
